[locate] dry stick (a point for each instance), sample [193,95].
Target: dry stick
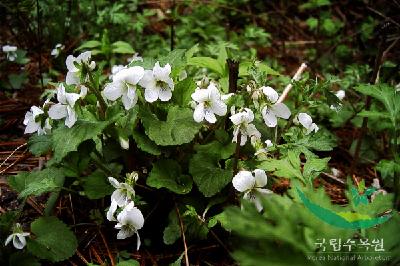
[296,77]
[107,248]
[9,156]
[183,236]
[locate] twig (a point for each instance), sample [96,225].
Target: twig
[237,153]
[79,254]
[108,250]
[296,77]
[183,235]
[9,156]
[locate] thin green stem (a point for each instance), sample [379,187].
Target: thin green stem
[93,87]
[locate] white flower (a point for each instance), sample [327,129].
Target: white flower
[134,58]
[130,220]
[379,189]
[33,122]
[209,104]
[274,109]
[11,52]
[65,106]
[73,75]
[242,124]
[340,94]
[157,83]
[306,121]
[124,85]
[252,185]
[18,237]
[120,197]
[56,51]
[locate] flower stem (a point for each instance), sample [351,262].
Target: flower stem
[93,87]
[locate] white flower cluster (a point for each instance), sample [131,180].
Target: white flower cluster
[124,81]
[130,219]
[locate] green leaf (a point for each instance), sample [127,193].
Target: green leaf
[314,166]
[89,45]
[145,144]
[130,262]
[23,259]
[66,139]
[168,174]
[17,80]
[208,174]
[286,167]
[121,47]
[207,62]
[179,128]
[36,182]
[96,185]
[386,94]
[39,145]
[183,92]
[54,240]
[374,114]
[172,231]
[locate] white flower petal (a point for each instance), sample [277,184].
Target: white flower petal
[129,99]
[200,95]
[151,94]
[269,117]
[243,181]
[19,241]
[261,178]
[237,118]
[219,107]
[165,94]
[209,116]
[162,73]
[148,81]
[281,110]
[111,211]
[70,63]
[58,111]
[134,217]
[8,240]
[119,197]
[71,117]
[130,75]
[72,98]
[113,90]
[125,232]
[198,114]
[305,120]
[72,78]
[114,182]
[271,94]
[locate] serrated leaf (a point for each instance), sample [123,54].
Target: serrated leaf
[96,185]
[36,182]
[314,166]
[66,139]
[209,177]
[179,128]
[167,174]
[53,240]
[283,168]
[145,144]
[39,145]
